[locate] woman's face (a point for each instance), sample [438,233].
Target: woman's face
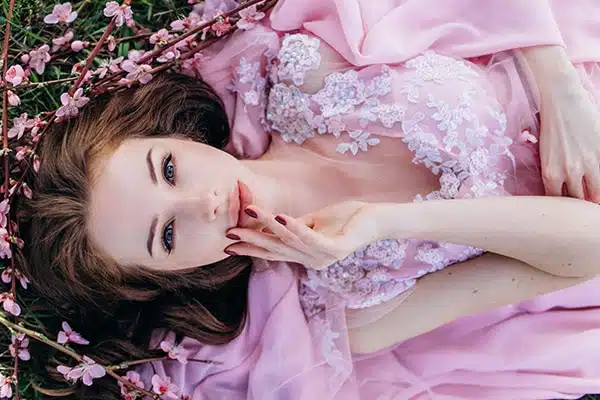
[165,204]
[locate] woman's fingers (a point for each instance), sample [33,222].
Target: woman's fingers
[575,186]
[592,184]
[246,249]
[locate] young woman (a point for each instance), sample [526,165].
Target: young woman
[380,170]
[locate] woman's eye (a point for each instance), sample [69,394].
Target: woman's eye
[167,237]
[169,169]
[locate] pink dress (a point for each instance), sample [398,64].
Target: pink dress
[472,120]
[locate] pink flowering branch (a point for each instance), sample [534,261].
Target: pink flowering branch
[73,354]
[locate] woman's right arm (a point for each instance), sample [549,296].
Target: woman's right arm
[481,284]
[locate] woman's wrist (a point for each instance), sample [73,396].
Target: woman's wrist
[397,220]
[550,66]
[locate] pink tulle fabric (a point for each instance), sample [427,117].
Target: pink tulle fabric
[546,348]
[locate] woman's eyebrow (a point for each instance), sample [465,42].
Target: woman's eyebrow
[151,234]
[151,166]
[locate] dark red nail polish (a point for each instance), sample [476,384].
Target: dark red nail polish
[230,252]
[280,220]
[232,236]
[251,213]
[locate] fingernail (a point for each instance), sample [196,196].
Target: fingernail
[230,252]
[251,213]
[232,236]
[267,230]
[280,220]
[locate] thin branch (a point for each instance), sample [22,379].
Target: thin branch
[65,350]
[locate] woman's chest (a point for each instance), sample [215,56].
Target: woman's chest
[384,173]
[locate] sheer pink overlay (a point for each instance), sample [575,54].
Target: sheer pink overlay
[444,79]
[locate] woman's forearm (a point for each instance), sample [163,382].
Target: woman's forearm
[550,65]
[474,286]
[556,234]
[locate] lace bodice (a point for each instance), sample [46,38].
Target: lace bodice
[442,108]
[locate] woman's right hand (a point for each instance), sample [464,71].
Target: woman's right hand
[315,240]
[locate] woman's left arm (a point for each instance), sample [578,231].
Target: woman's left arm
[570,125]
[557,235]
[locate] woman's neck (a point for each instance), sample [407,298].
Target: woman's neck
[293,181]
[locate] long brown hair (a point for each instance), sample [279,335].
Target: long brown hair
[116,308]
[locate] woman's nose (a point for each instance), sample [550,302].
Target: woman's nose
[205,206]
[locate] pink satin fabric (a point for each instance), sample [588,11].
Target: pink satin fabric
[546,348]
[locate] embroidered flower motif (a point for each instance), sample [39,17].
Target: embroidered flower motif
[121,13]
[164,387]
[62,13]
[249,17]
[19,347]
[289,114]
[15,75]
[87,371]
[342,91]
[362,141]
[71,104]
[298,54]
[69,335]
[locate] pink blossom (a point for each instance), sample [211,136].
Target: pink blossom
[135,71]
[189,22]
[61,13]
[36,124]
[135,379]
[38,58]
[18,347]
[5,386]
[36,163]
[19,126]
[69,335]
[249,17]
[9,304]
[7,275]
[71,105]
[164,387]
[210,9]
[168,55]
[161,37]
[78,45]
[121,13]
[136,55]
[26,190]
[15,75]
[87,371]
[62,42]
[22,152]
[13,99]
[78,67]
[111,43]
[176,352]
[106,66]
[4,209]
[191,66]
[221,27]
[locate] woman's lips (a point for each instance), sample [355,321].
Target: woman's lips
[239,198]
